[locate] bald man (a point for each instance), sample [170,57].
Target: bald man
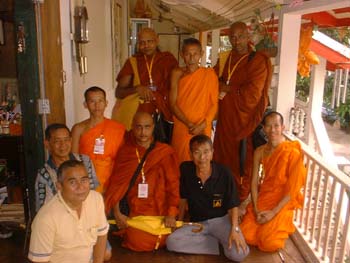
[144,80]
[245,77]
[155,192]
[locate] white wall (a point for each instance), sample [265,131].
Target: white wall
[98,51]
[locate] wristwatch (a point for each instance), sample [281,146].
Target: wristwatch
[236,229]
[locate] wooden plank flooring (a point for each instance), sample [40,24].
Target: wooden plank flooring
[11,251]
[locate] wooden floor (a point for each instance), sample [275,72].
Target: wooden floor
[11,251]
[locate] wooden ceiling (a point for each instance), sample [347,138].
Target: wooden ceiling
[203,15]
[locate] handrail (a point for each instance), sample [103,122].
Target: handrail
[329,167]
[323,222]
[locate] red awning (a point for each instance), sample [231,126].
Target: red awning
[335,60]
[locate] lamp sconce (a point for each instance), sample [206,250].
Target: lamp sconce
[21,38]
[2,32]
[81,36]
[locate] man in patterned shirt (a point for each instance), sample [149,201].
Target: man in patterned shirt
[58,142]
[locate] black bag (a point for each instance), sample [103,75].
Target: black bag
[162,129]
[259,136]
[123,203]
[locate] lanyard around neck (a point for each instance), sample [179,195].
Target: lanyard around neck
[143,165]
[229,70]
[149,68]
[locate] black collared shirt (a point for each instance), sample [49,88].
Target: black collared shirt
[214,198]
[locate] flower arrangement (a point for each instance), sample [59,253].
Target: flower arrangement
[263,35]
[10,112]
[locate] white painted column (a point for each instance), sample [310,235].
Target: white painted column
[284,95]
[345,88]
[204,41]
[215,46]
[318,75]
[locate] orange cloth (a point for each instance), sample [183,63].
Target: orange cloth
[240,112]
[284,173]
[197,97]
[113,133]
[162,176]
[164,63]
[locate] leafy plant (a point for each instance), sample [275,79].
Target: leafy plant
[302,87]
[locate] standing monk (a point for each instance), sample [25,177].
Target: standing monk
[269,219]
[98,137]
[193,98]
[155,192]
[245,78]
[144,80]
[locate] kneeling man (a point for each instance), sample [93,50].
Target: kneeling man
[72,226]
[277,193]
[209,191]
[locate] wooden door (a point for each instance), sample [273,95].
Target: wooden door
[52,59]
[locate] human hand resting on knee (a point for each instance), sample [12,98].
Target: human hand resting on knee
[237,239]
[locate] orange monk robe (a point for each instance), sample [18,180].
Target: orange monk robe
[162,176]
[113,133]
[240,112]
[163,64]
[197,97]
[284,173]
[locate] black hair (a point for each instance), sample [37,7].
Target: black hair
[200,139]
[272,113]
[94,89]
[54,127]
[191,41]
[67,165]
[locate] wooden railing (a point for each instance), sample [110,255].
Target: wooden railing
[323,222]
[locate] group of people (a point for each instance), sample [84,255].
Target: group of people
[240,195]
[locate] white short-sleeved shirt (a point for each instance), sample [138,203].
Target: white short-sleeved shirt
[58,235]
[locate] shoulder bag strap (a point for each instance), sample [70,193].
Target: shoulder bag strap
[139,167]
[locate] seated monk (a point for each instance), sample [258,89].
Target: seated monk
[97,136]
[160,174]
[269,218]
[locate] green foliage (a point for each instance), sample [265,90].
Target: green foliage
[341,35]
[343,111]
[302,87]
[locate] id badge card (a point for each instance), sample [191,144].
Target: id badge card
[142,190]
[99,147]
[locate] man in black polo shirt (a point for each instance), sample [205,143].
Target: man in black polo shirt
[209,191]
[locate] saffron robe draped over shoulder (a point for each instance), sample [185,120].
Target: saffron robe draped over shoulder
[161,170]
[197,97]
[284,174]
[113,133]
[240,112]
[164,63]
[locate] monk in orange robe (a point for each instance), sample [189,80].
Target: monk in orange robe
[193,98]
[269,218]
[146,75]
[98,137]
[160,172]
[245,78]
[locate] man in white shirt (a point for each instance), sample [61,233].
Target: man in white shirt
[72,226]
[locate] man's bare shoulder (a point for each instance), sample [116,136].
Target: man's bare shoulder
[80,127]
[258,153]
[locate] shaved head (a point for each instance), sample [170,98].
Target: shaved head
[147,41]
[147,31]
[239,37]
[142,128]
[141,115]
[240,25]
